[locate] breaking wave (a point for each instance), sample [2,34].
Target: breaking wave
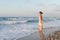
[17,20]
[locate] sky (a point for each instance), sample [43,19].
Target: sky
[29,8]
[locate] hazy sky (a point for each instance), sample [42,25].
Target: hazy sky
[29,7]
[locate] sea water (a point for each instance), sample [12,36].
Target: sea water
[12,28]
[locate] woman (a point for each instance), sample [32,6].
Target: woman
[40,21]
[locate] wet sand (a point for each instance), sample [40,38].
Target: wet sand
[55,36]
[41,35]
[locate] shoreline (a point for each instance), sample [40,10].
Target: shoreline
[36,35]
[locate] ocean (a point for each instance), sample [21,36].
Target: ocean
[12,28]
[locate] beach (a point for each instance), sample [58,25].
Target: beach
[26,28]
[36,35]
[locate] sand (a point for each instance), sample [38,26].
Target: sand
[55,36]
[41,35]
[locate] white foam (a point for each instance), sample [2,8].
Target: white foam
[17,31]
[11,22]
[55,23]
